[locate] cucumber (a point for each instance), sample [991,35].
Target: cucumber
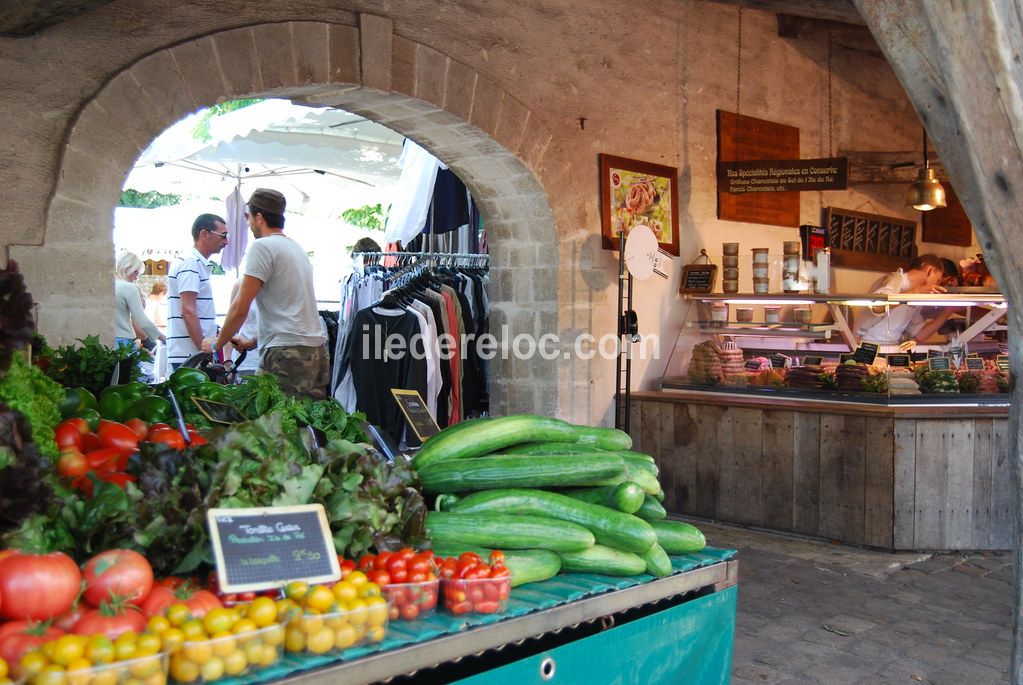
[609,527]
[484,473]
[651,510]
[625,497]
[640,477]
[444,502]
[506,531]
[603,560]
[677,537]
[480,436]
[657,562]
[604,438]
[638,459]
[526,565]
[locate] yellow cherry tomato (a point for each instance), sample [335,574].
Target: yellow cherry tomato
[78,672]
[33,662]
[50,675]
[270,656]
[357,578]
[200,652]
[212,669]
[193,630]
[235,663]
[124,649]
[147,644]
[100,650]
[377,610]
[177,614]
[262,611]
[345,591]
[319,598]
[376,633]
[273,635]
[345,636]
[320,642]
[218,620]
[369,590]
[224,643]
[158,678]
[294,641]
[145,667]
[157,624]
[296,589]
[107,675]
[4,669]
[310,622]
[182,669]
[254,652]
[172,638]
[358,612]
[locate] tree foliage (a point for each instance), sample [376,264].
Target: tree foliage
[372,217]
[202,129]
[147,200]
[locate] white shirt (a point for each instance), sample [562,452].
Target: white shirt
[889,329]
[190,274]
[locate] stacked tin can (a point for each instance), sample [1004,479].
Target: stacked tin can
[790,266]
[730,267]
[761,270]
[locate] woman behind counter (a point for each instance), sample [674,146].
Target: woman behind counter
[130,318]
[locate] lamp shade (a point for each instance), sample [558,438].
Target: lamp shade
[926,192]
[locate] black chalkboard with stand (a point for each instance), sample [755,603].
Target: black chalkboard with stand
[262,549]
[416,412]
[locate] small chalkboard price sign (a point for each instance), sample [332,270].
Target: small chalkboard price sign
[1002,361]
[900,360]
[939,364]
[778,361]
[698,278]
[416,412]
[266,548]
[843,358]
[752,365]
[812,361]
[975,363]
[935,353]
[218,412]
[866,353]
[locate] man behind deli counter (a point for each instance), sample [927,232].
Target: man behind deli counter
[904,325]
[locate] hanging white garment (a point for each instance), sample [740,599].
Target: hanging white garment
[413,194]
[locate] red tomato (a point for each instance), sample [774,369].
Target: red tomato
[409,612]
[117,478]
[72,463]
[118,436]
[18,637]
[38,586]
[84,485]
[167,436]
[496,557]
[82,424]
[90,442]
[138,427]
[399,576]
[419,564]
[68,435]
[405,553]
[117,574]
[110,621]
[381,561]
[195,439]
[365,562]
[347,566]
[158,426]
[67,620]
[199,602]
[379,577]
[466,557]
[103,459]
[173,582]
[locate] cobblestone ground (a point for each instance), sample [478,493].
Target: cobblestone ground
[812,612]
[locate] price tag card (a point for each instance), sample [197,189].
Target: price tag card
[843,358]
[973,354]
[935,353]
[902,360]
[866,353]
[698,278]
[812,361]
[416,412]
[752,365]
[939,363]
[218,412]
[778,361]
[975,363]
[266,548]
[1002,361]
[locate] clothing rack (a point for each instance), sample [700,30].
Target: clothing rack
[439,258]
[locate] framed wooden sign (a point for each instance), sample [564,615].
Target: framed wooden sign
[866,353]
[939,364]
[634,193]
[974,363]
[778,361]
[751,365]
[698,278]
[264,548]
[742,138]
[898,360]
[416,412]
[869,241]
[813,361]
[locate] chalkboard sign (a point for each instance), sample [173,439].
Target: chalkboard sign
[262,549]
[218,412]
[1002,361]
[866,353]
[975,363]
[935,353]
[752,365]
[418,414]
[973,354]
[698,278]
[843,358]
[939,364]
[778,361]
[901,360]
[812,361]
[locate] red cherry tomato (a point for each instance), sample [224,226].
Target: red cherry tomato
[380,563]
[72,464]
[104,459]
[90,442]
[381,578]
[68,436]
[138,427]
[167,436]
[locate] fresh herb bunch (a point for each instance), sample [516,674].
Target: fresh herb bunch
[969,382]
[828,381]
[876,383]
[16,324]
[91,363]
[26,389]
[25,476]
[939,381]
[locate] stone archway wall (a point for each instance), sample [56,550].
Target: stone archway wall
[485,135]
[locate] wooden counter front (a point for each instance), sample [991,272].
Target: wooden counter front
[895,477]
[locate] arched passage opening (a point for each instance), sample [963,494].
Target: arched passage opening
[483,134]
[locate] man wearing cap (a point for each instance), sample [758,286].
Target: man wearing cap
[191,314]
[279,278]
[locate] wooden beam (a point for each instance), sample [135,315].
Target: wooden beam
[888,167]
[847,36]
[830,10]
[959,62]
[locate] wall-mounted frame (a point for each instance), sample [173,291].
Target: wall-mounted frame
[869,241]
[633,193]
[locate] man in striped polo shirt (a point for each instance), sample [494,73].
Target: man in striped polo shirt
[192,315]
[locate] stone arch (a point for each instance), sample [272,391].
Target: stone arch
[482,132]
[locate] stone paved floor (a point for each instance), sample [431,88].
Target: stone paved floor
[810,612]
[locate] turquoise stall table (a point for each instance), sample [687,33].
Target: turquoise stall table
[574,628]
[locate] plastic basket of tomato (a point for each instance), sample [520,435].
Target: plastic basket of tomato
[470,585]
[336,631]
[150,669]
[410,601]
[407,578]
[227,654]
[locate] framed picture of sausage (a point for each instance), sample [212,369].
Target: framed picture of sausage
[634,193]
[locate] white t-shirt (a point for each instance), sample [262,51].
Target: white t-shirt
[287,300]
[888,330]
[190,274]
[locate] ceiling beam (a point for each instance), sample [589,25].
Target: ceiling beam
[889,167]
[28,17]
[829,10]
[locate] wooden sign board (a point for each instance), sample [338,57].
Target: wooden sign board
[742,138]
[218,412]
[698,278]
[813,361]
[265,548]
[752,365]
[898,360]
[778,361]
[416,412]
[784,175]
[866,353]
[935,353]
[1002,361]
[939,364]
[859,240]
[975,363]
[948,225]
[844,357]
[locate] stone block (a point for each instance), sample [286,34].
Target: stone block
[239,63]
[486,107]
[461,82]
[199,66]
[431,75]
[130,111]
[534,144]
[91,179]
[275,55]
[404,55]
[511,123]
[345,54]
[310,42]
[73,221]
[160,80]
[375,39]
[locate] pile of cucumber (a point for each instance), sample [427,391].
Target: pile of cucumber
[554,496]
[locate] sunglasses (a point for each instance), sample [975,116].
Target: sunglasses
[223,235]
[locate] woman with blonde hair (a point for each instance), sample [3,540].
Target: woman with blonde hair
[130,320]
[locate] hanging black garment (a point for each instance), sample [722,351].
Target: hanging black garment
[450,206]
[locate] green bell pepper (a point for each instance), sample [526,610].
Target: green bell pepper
[212,391]
[116,399]
[149,408]
[185,377]
[91,417]
[76,400]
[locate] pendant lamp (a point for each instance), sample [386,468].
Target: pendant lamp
[926,192]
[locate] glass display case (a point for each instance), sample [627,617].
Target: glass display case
[845,347]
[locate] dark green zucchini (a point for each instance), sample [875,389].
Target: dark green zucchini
[603,560]
[677,537]
[481,436]
[609,527]
[519,471]
[506,531]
